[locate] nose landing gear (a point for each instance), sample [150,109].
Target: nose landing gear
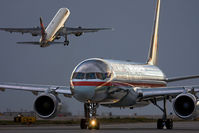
[90,120]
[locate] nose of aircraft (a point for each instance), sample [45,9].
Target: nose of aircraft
[83,93]
[87,77]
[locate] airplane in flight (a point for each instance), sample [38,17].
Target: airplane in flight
[54,30]
[116,83]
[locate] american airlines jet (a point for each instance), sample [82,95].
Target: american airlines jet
[115,83]
[54,30]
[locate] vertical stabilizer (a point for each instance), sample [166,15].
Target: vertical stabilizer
[43,31]
[153,51]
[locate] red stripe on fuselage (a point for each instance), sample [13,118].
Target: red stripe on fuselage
[95,83]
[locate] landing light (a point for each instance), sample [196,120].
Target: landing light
[93,122]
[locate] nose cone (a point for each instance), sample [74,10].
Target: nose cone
[84,93]
[87,77]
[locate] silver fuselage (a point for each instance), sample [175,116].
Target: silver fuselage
[113,82]
[56,23]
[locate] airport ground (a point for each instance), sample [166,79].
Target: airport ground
[114,124]
[179,127]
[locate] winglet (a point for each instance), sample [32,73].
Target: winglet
[43,32]
[153,51]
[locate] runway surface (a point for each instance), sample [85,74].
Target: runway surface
[179,127]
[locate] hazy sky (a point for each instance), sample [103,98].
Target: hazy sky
[132,21]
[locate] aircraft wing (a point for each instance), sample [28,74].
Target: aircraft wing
[37,88]
[150,93]
[34,31]
[78,31]
[63,31]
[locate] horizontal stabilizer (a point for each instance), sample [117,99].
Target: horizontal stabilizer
[38,43]
[181,78]
[35,43]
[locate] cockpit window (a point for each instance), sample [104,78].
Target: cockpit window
[100,76]
[108,75]
[78,75]
[90,76]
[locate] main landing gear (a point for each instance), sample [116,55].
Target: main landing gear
[66,42]
[90,120]
[164,122]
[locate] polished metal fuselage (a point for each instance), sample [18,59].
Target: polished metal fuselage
[118,90]
[56,23]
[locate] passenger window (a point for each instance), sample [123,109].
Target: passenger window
[90,76]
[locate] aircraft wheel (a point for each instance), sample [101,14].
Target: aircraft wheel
[66,43]
[169,124]
[83,124]
[160,124]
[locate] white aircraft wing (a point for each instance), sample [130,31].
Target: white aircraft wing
[79,30]
[37,88]
[150,93]
[34,31]
[62,32]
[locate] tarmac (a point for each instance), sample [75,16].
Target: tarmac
[179,127]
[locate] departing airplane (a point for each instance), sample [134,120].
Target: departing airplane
[115,83]
[54,30]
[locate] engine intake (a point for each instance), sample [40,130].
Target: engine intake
[47,106]
[186,106]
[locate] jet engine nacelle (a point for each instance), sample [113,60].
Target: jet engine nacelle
[34,34]
[78,34]
[47,105]
[186,106]
[57,37]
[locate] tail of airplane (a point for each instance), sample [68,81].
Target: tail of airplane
[153,51]
[43,32]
